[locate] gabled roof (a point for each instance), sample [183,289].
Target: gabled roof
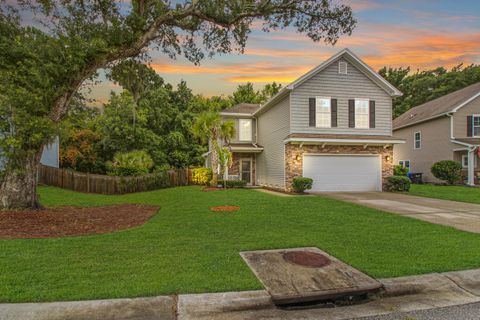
[442,106]
[350,57]
[242,108]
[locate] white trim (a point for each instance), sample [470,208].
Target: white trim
[348,52]
[323,65]
[415,140]
[475,115]
[355,112]
[464,144]
[247,115]
[246,149]
[240,130]
[466,102]
[329,111]
[448,113]
[355,141]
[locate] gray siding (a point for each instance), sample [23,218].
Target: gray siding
[329,83]
[236,122]
[50,155]
[460,118]
[273,128]
[436,145]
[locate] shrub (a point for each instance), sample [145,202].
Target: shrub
[132,163]
[398,183]
[201,176]
[399,170]
[300,184]
[233,183]
[447,170]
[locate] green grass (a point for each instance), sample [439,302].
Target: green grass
[455,193]
[186,248]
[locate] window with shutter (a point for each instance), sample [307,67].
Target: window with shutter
[362,113]
[333,104]
[476,125]
[311,112]
[372,114]
[351,113]
[323,113]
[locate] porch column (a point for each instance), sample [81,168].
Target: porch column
[471,167]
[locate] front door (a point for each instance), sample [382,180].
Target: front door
[246,170]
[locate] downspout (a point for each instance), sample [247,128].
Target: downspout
[450,115]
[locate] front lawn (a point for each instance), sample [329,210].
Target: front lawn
[187,248]
[455,193]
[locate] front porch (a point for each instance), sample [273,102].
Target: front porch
[467,154]
[243,162]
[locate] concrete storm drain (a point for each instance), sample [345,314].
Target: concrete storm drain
[307,275]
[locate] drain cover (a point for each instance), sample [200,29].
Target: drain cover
[307,259]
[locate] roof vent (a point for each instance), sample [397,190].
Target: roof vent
[342,67]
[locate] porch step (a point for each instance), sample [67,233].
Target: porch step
[304,275]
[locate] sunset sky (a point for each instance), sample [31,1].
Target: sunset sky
[421,34]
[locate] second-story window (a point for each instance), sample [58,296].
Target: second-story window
[245,129]
[476,126]
[323,113]
[362,113]
[418,140]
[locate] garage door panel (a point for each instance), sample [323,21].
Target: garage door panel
[343,173]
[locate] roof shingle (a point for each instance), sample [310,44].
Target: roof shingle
[243,108]
[436,107]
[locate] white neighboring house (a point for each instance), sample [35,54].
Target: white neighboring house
[50,155]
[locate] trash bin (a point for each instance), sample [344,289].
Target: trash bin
[415,177]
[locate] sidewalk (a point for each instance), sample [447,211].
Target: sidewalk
[401,295]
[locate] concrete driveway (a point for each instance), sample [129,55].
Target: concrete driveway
[460,215]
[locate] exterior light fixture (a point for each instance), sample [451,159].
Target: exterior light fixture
[388,158]
[298,157]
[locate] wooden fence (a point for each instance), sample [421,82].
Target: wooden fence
[102,184]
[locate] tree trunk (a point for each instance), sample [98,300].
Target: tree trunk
[18,188]
[214,162]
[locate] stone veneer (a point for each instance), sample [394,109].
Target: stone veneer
[294,167]
[234,170]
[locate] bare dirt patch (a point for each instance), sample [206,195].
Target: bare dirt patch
[225,208]
[72,221]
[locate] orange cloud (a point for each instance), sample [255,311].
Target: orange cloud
[254,72]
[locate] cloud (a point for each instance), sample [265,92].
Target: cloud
[258,72]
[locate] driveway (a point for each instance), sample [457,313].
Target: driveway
[460,215]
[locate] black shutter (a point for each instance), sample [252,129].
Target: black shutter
[469,126]
[333,112]
[351,113]
[372,114]
[311,112]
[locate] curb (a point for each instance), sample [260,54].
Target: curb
[401,294]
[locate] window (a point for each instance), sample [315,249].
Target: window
[323,113]
[245,130]
[362,114]
[342,67]
[405,164]
[476,125]
[417,144]
[465,161]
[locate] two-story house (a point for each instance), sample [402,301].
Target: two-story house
[333,124]
[447,128]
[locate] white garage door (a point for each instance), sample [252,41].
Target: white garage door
[343,172]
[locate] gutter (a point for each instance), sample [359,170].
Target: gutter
[353,141]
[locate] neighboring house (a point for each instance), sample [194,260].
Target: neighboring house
[50,155]
[447,128]
[334,125]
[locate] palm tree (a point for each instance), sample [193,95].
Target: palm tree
[209,127]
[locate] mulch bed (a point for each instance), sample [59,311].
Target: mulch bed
[225,208]
[72,221]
